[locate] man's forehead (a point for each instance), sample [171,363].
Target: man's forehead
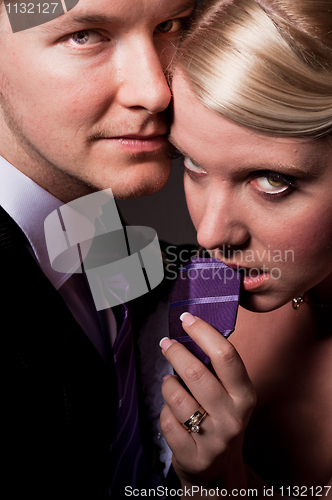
[66,13]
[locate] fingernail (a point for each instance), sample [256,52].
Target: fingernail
[166,377]
[165,343]
[187,319]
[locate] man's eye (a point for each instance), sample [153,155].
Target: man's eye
[172,25]
[86,37]
[273,183]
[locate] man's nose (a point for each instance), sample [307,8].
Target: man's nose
[223,225]
[142,80]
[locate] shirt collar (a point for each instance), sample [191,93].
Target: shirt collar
[28,205]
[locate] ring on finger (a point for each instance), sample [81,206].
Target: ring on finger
[193,423]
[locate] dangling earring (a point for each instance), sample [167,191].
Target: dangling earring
[297,301]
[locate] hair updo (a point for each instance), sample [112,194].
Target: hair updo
[264,64]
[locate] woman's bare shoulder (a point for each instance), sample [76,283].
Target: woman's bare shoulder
[288,358]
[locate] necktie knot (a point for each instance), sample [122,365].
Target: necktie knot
[209,289]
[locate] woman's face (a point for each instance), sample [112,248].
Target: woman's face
[262,203]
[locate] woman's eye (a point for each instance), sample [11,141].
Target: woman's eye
[172,25]
[86,37]
[272,183]
[192,168]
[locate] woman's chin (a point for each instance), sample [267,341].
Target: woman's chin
[261,303]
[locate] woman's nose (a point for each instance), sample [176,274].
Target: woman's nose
[223,224]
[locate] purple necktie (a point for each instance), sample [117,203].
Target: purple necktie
[209,289]
[128,466]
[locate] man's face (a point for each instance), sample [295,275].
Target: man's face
[82,98]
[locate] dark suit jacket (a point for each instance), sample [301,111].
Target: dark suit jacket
[59,398]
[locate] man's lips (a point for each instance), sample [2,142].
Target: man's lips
[134,143]
[141,137]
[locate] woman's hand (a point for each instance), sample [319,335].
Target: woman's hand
[212,457]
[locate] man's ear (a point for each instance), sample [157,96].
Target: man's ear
[31,13]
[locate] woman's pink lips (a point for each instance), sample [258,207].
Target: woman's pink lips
[252,278]
[250,283]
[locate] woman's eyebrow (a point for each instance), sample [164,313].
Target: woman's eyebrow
[175,144]
[183,153]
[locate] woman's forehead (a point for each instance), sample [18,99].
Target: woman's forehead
[200,132]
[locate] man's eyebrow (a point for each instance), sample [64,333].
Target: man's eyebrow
[95,19]
[68,22]
[191,4]
[104,19]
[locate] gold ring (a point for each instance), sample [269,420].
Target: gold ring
[192,424]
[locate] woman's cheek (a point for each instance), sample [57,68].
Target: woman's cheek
[195,205]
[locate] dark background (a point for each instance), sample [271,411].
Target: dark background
[165,211]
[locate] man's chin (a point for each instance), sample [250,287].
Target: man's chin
[129,193]
[137,184]
[127,181]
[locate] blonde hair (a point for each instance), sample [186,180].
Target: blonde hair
[264,64]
